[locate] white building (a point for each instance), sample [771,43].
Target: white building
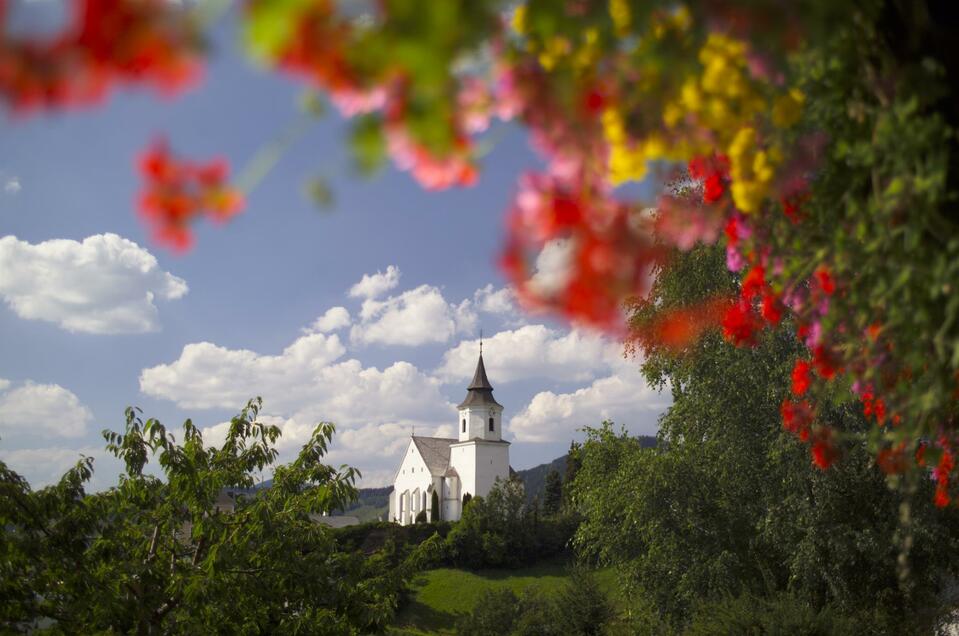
[452,468]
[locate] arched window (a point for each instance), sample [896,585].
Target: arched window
[464,425]
[491,426]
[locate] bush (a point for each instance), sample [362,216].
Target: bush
[502,530]
[784,614]
[580,609]
[496,612]
[420,517]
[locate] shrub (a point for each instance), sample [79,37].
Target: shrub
[782,614]
[581,607]
[496,612]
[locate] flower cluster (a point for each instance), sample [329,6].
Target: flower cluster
[177,192]
[605,255]
[107,43]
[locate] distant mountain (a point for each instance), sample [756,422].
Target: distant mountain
[534,479]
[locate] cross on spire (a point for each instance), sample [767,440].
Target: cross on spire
[481,341]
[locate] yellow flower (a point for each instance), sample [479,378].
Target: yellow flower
[519,19]
[627,162]
[621,15]
[752,170]
[787,108]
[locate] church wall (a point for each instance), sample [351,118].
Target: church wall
[479,464]
[412,477]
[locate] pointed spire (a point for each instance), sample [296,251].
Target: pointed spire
[480,381]
[480,391]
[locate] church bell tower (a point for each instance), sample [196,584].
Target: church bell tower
[480,415]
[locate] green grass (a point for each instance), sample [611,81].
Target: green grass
[440,596]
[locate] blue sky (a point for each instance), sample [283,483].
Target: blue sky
[107,319]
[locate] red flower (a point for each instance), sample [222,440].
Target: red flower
[740,324]
[826,283]
[797,417]
[713,188]
[824,451]
[800,377]
[825,361]
[771,308]
[892,461]
[178,192]
[754,282]
[108,42]
[713,172]
[942,497]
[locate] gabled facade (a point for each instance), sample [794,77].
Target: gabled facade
[469,464]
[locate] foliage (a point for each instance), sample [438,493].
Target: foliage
[440,596]
[495,613]
[579,608]
[159,555]
[783,614]
[420,517]
[728,503]
[435,508]
[553,493]
[502,530]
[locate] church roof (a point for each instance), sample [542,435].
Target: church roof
[480,391]
[435,452]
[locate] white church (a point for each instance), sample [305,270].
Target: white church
[452,468]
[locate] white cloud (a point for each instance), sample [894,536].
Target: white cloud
[104,284]
[209,376]
[373,285]
[11,185]
[415,317]
[334,318]
[553,267]
[4,384]
[501,303]
[623,397]
[47,410]
[534,351]
[495,301]
[45,466]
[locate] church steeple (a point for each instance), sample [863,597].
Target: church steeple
[480,391]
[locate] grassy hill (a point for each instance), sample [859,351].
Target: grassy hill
[440,596]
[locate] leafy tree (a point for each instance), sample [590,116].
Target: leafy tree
[156,555]
[434,508]
[730,504]
[467,498]
[420,517]
[553,493]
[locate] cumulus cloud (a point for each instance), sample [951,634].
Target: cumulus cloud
[11,185]
[534,351]
[374,285]
[415,317]
[334,318]
[209,376]
[105,284]
[553,267]
[45,466]
[4,384]
[495,301]
[47,410]
[623,397]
